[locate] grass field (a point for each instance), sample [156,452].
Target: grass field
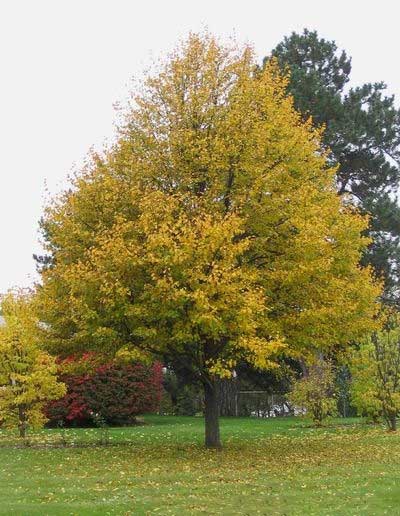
[277,466]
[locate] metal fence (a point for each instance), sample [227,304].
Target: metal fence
[263,404]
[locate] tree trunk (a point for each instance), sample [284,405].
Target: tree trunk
[211,414]
[227,395]
[22,422]
[392,422]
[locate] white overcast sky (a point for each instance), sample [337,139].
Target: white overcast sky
[64,63]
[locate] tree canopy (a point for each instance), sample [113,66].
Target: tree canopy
[210,233]
[362,131]
[376,374]
[27,373]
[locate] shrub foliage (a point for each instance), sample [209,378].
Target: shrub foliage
[315,392]
[117,393]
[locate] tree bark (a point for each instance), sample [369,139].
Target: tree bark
[211,414]
[392,423]
[22,422]
[227,394]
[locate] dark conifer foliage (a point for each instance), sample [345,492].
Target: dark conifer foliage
[362,130]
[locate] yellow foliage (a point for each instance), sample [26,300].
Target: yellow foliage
[212,231]
[27,374]
[316,392]
[375,369]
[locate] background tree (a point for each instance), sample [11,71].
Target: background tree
[27,374]
[363,387]
[182,395]
[210,233]
[316,392]
[362,130]
[376,375]
[343,390]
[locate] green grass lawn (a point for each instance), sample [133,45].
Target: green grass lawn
[277,466]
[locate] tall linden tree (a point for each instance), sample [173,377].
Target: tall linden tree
[210,233]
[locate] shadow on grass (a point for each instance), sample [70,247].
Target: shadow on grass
[185,433]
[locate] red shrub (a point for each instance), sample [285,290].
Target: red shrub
[117,393]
